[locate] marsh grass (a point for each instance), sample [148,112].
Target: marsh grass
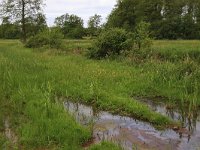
[105,146]
[38,121]
[77,46]
[30,82]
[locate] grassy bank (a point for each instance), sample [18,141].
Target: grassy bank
[27,100]
[30,81]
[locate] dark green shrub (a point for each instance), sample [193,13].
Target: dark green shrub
[110,42]
[76,33]
[9,31]
[47,38]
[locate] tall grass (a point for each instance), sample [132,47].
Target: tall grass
[26,97]
[105,146]
[31,81]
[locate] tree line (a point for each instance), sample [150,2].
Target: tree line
[12,29]
[168,19]
[25,18]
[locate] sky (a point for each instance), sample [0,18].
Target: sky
[82,8]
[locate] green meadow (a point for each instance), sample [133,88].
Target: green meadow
[32,80]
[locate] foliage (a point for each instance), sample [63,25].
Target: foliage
[47,38]
[169,19]
[110,42]
[94,25]
[36,24]
[2,141]
[123,15]
[71,26]
[21,11]
[9,30]
[141,35]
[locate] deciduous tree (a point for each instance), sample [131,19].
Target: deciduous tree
[71,25]
[21,10]
[94,25]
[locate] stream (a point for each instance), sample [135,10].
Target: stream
[134,134]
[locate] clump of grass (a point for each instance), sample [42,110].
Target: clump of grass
[2,141]
[105,146]
[38,120]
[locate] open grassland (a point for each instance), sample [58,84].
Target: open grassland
[30,82]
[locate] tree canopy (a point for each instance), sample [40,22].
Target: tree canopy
[9,30]
[71,25]
[169,19]
[94,25]
[21,11]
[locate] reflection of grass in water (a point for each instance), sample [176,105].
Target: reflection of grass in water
[188,112]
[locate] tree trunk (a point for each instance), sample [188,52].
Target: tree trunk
[23,22]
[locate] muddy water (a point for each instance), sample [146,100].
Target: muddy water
[189,135]
[134,134]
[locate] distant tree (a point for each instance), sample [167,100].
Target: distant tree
[71,25]
[9,30]
[172,19]
[169,19]
[21,10]
[124,15]
[36,24]
[94,25]
[150,11]
[190,19]
[40,21]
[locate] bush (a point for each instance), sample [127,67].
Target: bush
[141,36]
[47,38]
[110,42]
[76,33]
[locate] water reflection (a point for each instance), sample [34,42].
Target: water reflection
[189,118]
[127,132]
[134,134]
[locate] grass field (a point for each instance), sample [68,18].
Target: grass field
[30,81]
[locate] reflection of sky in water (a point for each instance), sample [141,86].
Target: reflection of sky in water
[129,132]
[192,124]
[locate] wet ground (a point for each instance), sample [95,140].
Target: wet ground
[134,134]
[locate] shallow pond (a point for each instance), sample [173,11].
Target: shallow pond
[134,134]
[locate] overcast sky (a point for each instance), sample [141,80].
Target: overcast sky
[82,8]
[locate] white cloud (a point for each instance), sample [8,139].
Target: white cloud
[82,8]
